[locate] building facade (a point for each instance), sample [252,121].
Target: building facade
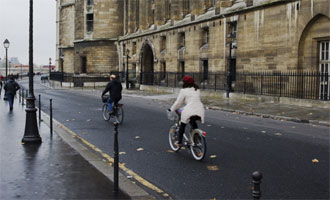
[202,36]
[87,32]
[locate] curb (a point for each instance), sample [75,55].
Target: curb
[276,117]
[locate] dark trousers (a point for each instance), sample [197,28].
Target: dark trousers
[182,128]
[11,100]
[109,102]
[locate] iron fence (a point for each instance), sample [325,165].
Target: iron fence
[302,85]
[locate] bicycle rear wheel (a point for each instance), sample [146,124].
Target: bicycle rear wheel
[119,116]
[173,137]
[198,148]
[105,112]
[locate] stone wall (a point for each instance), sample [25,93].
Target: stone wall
[270,37]
[101,57]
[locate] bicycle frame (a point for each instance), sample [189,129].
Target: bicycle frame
[194,140]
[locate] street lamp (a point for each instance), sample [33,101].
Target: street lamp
[6,45]
[31,133]
[127,57]
[50,63]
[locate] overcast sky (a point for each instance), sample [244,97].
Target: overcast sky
[14,26]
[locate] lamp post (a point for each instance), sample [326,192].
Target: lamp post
[50,63]
[6,45]
[21,71]
[127,57]
[9,63]
[31,133]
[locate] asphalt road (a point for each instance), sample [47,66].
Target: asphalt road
[293,157]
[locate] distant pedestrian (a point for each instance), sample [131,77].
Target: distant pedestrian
[11,87]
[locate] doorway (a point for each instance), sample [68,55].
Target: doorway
[147,68]
[83,64]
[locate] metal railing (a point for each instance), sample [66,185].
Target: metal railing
[302,85]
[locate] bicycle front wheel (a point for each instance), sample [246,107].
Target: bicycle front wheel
[105,112]
[173,137]
[119,116]
[198,148]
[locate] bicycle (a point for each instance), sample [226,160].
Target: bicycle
[194,141]
[117,111]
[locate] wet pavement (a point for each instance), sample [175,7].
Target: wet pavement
[51,170]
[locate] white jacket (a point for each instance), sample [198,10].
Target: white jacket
[194,106]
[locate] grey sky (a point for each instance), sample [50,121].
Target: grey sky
[14,25]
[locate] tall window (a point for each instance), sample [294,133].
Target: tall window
[163,43]
[182,40]
[90,2]
[233,29]
[324,69]
[134,48]
[90,22]
[205,36]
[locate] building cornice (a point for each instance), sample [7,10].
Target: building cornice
[96,40]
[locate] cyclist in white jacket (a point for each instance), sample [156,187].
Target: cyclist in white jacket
[193,109]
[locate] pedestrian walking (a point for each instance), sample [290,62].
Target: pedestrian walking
[11,87]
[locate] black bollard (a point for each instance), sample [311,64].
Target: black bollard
[51,116]
[256,192]
[116,159]
[23,97]
[26,95]
[40,120]
[19,96]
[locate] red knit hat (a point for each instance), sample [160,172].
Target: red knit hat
[188,80]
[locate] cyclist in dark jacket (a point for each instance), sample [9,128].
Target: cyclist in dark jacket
[11,87]
[114,87]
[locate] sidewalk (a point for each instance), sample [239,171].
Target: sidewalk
[52,170]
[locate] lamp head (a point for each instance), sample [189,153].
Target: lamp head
[6,43]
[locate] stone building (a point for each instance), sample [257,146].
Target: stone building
[87,32]
[203,36]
